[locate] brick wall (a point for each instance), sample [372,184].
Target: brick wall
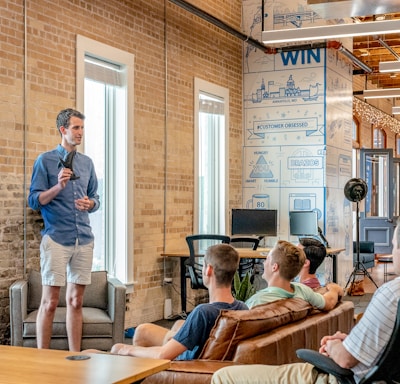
[37,77]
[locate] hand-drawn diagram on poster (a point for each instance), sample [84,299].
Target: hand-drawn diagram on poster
[277,92]
[288,166]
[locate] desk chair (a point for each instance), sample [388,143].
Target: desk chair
[386,370]
[197,246]
[246,265]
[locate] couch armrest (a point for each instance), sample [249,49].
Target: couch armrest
[188,371]
[116,308]
[18,310]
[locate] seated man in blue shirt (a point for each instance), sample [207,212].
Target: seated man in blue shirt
[220,264]
[282,265]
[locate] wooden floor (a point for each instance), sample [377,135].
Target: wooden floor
[376,274]
[377,277]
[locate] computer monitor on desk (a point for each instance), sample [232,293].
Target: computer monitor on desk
[257,222]
[305,224]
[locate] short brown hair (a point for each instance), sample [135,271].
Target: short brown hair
[289,257]
[64,116]
[225,261]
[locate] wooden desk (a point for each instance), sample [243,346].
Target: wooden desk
[21,365]
[260,253]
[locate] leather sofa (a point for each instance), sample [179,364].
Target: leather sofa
[266,334]
[103,313]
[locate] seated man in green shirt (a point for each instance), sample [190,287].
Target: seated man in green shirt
[282,265]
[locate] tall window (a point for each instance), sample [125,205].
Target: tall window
[356,148]
[104,91]
[379,138]
[397,142]
[211,157]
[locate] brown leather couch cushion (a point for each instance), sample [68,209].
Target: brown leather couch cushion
[233,326]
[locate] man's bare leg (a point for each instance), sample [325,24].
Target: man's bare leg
[45,317]
[150,335]
[74,315]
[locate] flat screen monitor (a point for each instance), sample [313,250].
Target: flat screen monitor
[260,222]
[303,223]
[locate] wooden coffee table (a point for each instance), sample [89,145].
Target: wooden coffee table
[21,365]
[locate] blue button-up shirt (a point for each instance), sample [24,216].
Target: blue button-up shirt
[62,221]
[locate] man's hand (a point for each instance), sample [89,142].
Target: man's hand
[336,288]
[332,346]
[84,204]
[63,177]
[337,336]
[334,294]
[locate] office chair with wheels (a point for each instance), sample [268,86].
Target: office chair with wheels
[246,265]
[197,247]
[386,369]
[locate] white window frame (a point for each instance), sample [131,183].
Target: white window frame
[122,257]
[202,86]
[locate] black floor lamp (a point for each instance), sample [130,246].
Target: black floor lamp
[355,190]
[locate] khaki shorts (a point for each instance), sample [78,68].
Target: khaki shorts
[57,260]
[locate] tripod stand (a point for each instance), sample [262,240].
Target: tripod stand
[359,267]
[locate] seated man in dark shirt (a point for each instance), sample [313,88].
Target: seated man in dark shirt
[220,264]
[315,254]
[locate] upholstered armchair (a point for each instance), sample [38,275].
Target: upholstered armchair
[367,253]
[103,313]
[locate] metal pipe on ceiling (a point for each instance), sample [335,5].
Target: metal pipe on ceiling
[388,47]
[269,50]
[339,46]
[213,20]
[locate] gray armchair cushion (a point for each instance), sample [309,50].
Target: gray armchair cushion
[96,323]
[95,293]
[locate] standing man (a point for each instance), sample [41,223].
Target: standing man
[64,189]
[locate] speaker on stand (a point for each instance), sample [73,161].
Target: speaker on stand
[355,191]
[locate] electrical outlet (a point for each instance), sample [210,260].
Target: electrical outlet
[167,280]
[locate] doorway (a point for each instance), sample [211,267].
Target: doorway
[377,216]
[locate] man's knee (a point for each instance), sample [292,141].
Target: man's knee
[49,305]
[141,335]
[50,299]
[76,302]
